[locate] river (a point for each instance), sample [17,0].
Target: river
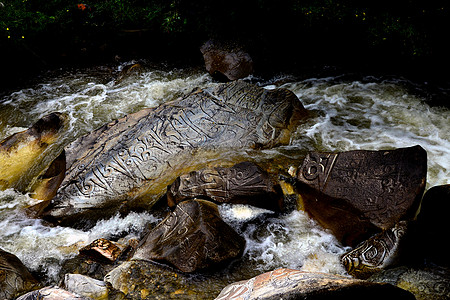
[365,113]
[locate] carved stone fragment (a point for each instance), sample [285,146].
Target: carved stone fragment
[192,237]
[376,253]
[103,250]
[244,183]
[293,284]
[130,162]
[359,193]
[15,279]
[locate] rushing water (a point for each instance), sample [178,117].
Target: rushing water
[369,113]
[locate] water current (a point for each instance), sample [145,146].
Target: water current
[368,113]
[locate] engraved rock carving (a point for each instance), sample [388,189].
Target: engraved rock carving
[244,183]
[192,237]
[293,284]
[15,279]
[359,193]
[129,162]
[376,253]
[20,151]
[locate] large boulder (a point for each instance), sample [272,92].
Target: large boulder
[293,284]
[243,183]
[191,238]
[377,253]
[21,152]
[226,61]
[15,279]
[356,194]
[130,162]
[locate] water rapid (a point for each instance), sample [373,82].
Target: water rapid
[369,113]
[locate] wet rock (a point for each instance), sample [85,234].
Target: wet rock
[293,284]
[128,164]
[226,61]
[376,253]
[15,279]
[23,150]
[244,183]
[424,283]
[191,238]
[86,286]
[432,224]
[358,193]
[103,250]
[51,293]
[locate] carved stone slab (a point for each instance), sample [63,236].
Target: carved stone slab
[376,253]
[192,237]
[244,183]
[356,193]
[133,159]
[293,284]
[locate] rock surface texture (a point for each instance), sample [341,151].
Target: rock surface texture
[191,238]
[130,162]
[359,193]
[293,284]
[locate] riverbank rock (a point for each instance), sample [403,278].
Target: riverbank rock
[191,238]
[243,183]
[23,150]
[15,279]
[86,286]
[356,194]
[128,164]
[51,293]
[425,283]
[376,253]
[226,61]
[293,284]
[432,224]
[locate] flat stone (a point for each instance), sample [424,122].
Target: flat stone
[51,293]
[86,286]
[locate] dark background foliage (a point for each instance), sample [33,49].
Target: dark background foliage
[284,35]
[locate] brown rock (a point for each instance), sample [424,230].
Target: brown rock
[293,284]
[225,61]
[192,237]
[375,254]
[359,193]
[103,250]
[244,183]
[15,279]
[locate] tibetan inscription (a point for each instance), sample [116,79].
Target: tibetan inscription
[130,162]
[360,192]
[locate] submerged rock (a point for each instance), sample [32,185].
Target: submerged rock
[23,150]
[293,284]
[130,162]
[191,238]
[359,193]
[15,279]
[244,183]
[375,254]
[225,61]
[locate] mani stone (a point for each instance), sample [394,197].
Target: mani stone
[15,279]
[293,284]
[128,164]
[226,61]
[376,253]
[358,193]
[244,183]
[192,237]
[51,293]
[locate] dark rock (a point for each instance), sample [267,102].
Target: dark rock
[359,193]
[377,253]
[293,284]
[128,164]
[226,61]
[191,238]
[51,293]
[425,283]
[244,183]
[15,279]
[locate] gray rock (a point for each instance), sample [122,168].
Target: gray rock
[86,286]
[51,293]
